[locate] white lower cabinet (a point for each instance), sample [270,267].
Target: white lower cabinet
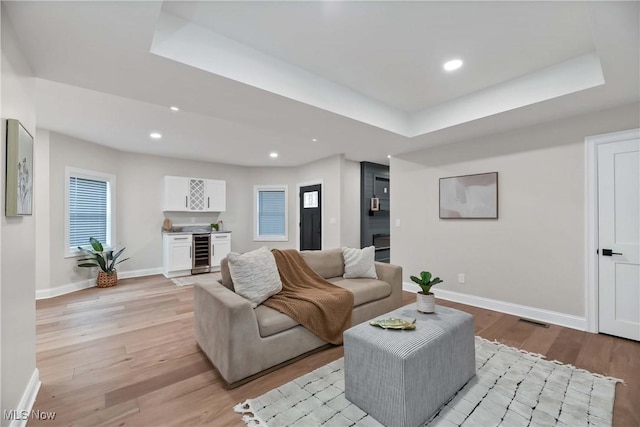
[177,253]
[220,247]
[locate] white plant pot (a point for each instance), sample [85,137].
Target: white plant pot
[426,303]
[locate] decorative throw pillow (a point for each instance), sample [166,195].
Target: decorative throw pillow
[359,263]
[255,275]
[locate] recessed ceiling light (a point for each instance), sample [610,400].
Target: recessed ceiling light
[454,64]
[315,139]
[174,108]
[388,156]
[155,135]
[273,155]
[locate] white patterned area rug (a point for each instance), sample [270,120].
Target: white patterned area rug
[203,279]
[511,388]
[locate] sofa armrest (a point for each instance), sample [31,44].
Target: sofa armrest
[392,274]
[225,326]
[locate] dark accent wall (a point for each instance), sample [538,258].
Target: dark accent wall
[374,182]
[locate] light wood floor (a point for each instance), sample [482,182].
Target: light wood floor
[126,356]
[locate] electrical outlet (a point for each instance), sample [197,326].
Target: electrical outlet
[461,278]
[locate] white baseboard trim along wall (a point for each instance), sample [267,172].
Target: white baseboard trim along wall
[22,413]
[90,283]
[533,313]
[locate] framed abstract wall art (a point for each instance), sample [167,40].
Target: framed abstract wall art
[19,180]
[469,196]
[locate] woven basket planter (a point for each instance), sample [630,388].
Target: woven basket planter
[106,280]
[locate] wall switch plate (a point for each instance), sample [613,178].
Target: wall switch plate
[461,278]
[397,223]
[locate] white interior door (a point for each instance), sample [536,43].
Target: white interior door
[619,238]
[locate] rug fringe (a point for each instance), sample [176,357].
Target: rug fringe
[249,416]
[557,362]
[604,377]
[501,345]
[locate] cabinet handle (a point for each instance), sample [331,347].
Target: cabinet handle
[208,204]
[190,250]
[213,250]
[186,201]
[180,238]
[221,237]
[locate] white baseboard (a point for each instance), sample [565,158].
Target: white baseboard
[534,313]
[64,289]
[28,399]
[90,283]
[140,273]
[179,273]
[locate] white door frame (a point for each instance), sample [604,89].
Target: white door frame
[591,223]
[304,184]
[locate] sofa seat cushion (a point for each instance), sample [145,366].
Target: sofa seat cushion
[364,290]
[271,321]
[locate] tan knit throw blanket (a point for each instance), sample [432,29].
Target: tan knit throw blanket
[307,298]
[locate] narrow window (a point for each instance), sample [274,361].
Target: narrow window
[89,209]
[271,213]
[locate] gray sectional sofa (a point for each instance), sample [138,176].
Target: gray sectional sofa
[243,342]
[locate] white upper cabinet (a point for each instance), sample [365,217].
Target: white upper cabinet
[182,194]
[197,195]
[216,195]
[176,194]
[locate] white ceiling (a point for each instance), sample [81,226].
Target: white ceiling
[364,78]
[393,51]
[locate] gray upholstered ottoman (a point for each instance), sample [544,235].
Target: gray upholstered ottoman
[402,377]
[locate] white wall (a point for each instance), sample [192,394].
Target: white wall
[65,151]
[337,186]
[139,213]
[17,241]
[350,233]
[41,207]
[533,254]
[1,161]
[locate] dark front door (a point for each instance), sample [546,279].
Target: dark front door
[310,217]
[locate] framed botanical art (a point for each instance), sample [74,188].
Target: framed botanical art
[19,181]
[469,196]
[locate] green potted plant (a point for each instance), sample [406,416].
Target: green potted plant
[105,260]
[425,300]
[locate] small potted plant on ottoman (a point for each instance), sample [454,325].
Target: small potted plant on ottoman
[425,300]
[106,260]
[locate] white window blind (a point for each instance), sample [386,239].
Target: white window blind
[88,211]
[271,213]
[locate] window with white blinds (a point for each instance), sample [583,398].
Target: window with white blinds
[271,213]
[89,205]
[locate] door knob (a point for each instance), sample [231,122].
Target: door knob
[609,252]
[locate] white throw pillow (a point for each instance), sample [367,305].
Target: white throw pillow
[359,263]
[255,275]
